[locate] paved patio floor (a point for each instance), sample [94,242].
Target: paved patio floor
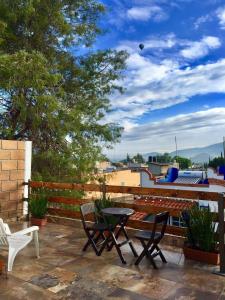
[64,272]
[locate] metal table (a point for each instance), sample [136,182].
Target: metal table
[121,215]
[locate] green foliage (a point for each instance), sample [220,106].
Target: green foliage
[128,159]
[184,163]
[201,229]
[38,205]
[165,158]
[49,93]
[138,158]
[104,202]
[216,162]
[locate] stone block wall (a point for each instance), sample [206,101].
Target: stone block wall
[12,168]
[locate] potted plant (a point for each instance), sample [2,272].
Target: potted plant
[100,204]
[201,244]
[38,208]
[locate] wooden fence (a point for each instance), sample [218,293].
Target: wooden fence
[137,224]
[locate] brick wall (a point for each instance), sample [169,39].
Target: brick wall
[12,163]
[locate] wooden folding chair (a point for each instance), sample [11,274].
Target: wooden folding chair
[151,239]
[94,231]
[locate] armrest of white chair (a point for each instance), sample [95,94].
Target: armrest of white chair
[26,230]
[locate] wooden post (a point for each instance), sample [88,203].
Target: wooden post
[221,202]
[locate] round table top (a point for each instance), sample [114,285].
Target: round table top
[117,211]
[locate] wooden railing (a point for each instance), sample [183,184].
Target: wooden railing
[137,224]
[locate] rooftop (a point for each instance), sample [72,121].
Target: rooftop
[64,272]
[166,203]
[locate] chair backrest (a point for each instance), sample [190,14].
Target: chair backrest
[160,224]
[87,209]
[3,233]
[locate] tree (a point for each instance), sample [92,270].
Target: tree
[165,158]
[184,163]
[138,158]
[216,162]
[49,93]
[128,159]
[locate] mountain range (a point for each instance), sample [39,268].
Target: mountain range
[197,155]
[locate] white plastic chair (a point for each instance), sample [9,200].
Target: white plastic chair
[17,241]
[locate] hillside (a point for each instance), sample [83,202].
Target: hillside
[200,154]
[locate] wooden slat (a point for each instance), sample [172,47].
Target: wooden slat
[144,225]
[67,200]
[64,213]
[142,208]
[175,193]
[136,224]
[149,209]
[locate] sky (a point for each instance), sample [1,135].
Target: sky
[175,86]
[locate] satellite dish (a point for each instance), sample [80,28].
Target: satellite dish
[141,46]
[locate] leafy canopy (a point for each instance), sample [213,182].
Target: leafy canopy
[217,162]
[54,89]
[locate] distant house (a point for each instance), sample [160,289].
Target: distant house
[158,169]
[101,166]
[134,165]
[119,178]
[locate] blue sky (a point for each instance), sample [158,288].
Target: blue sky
[176,85]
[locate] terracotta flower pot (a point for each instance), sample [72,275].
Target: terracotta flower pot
[38,222]
[212,258]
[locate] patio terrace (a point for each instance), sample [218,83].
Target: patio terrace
[65,272]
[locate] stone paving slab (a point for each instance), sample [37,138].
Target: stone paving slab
[65,272]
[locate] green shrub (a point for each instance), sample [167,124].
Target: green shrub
[38,205]
[200,229]
[102,203]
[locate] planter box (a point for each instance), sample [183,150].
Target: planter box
[203,256]
[38,222]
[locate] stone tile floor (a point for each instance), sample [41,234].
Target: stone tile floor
[64,272]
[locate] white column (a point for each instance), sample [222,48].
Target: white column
[27,172]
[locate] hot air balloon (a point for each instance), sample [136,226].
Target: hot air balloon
[141,46]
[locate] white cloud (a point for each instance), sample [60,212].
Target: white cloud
[221,16]
[201,128]
[145,13]
[201,20]
[201,48]
[150,86]
[152,42]
[160,46]
[153,84]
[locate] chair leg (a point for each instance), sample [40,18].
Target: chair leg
[149,254]
[146,252]
[105,244]
[88,241]
[140,257]
[143,253]
[116,237]
[36,243]
[152,261]
[104,238]
[161,254]
[130,243]
[93,242]
[114,242]
[11,257]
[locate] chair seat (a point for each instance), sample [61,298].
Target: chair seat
[99,227]
[18,241]
[146,235]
